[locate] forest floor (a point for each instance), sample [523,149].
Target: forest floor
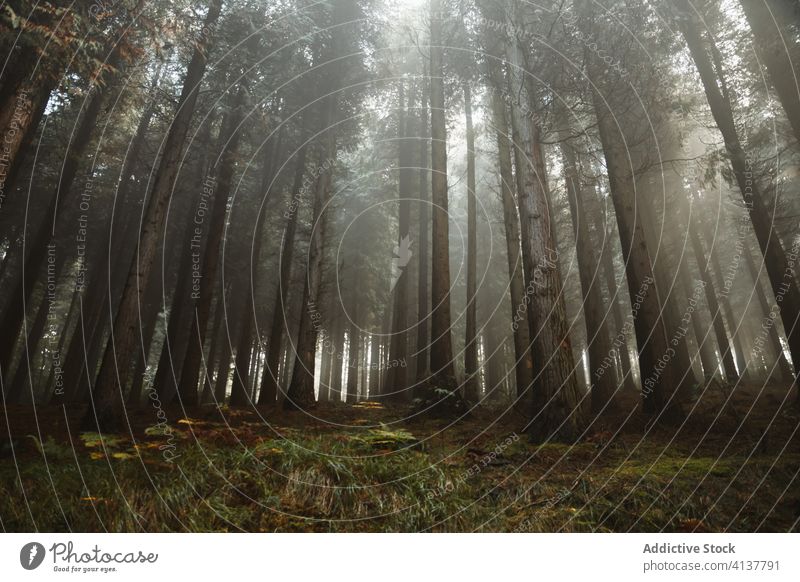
[730,467]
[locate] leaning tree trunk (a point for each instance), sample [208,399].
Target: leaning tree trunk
[787,372]
[782,273]
[704,346]
[766,19]
[230,135]
[666,281]
[712,294]
[242,376]
[621,337]
[658,385]
[12,319]
[22,112]
[107,401]
[603,386]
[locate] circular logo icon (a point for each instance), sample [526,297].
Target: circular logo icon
[31,555]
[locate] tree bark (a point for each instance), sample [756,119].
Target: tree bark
[471,391]
[230,135]
[787,372]
[603,386]
[270,379]
[523,366]
[422,365]
[441,352]
[781,271]
[400,273]
[300,395]
[107,407]
[767,19]
[555,410]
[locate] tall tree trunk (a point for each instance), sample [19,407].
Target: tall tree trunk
[767,19]
[400,273]
[422,365]
[704,346]
[787,372]
[270,379]
[602,384]
[782,273]
[230,135]
[441,352]
[353,354]
[12,318]
[241,377]
[217,338]
[107,402]
[22,112]
[337,356]
[523,367]
[100,289]
[658,384]
[555,412]
[300,395]
[241,372]
[470,340]
[666,281]
[149,320]
[621,338]
[223,366]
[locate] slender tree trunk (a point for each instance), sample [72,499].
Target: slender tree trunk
[241,377]
[230,134]
[679,358]
[217,338]
[787,372]
[658,384]
[242,372]
[400,273]
[337,356]
[22,112]
[12,318]
[270,379]
[704,346]
[149,321]
[441,352]
[422,366]
[782,273]
[523,367]
[602,385]
[353,358]
[607,258]
[107,403]
[470,341]
[223,368]
[300,395]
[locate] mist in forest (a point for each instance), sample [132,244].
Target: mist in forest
[327,257]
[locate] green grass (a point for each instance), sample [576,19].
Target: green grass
[385,479]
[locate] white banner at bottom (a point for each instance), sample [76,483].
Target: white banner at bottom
[398,557]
